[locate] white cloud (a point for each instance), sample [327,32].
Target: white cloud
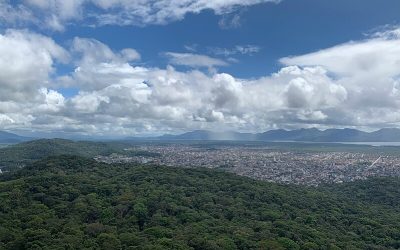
[247,49]
[56,14]
[377,56]
[331,87]
[313,116]
[369,71]
[130,55]
[386,32]
[5,120]
[27,65]
[191,47]
[51,101]
[88,102]
[311,87]
[26,62]
[232,21]
[93,51]
[160,12]
[194,60]
[97,66]
[15,15]
[136,98]
[237,50]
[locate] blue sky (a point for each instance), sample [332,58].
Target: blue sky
[116,68]
[291,27]
[274,28]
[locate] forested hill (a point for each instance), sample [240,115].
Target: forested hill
[28,152]
[69,202]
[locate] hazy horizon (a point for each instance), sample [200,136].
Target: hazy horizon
[219,134]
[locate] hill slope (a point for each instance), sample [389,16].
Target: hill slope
[6,137]
[28,152]
[71,202]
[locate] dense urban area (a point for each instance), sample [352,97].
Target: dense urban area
[264,163]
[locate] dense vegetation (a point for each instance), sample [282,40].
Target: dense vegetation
[28,152]
[69,202]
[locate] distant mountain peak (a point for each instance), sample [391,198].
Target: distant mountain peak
[7,137]
[303,134]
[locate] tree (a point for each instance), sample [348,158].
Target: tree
[140,211]
[108,241]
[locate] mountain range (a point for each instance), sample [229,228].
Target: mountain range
[304,135]
[300,135]
[6,137]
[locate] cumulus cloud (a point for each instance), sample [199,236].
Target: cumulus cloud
[50,100]
[26,62]
[56,14]
[27,68]
[333,87]
[311,87]
[88,102]
[368,70]
[97,66]
[136,98]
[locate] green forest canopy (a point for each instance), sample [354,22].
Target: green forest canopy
[28,152]
[70,202]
